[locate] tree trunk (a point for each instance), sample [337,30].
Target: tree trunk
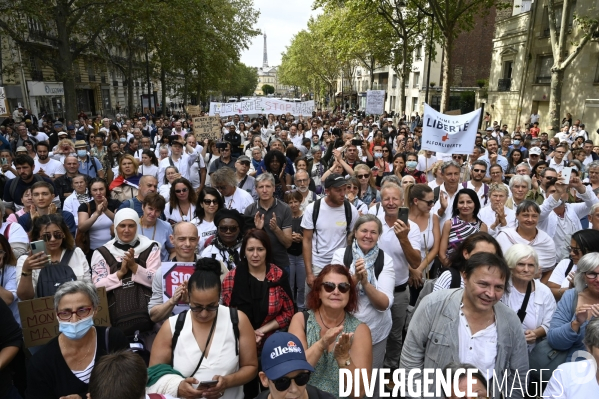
[446,71]
[555,99]
[404,78]
[64,69]
[163,86]
[185,89]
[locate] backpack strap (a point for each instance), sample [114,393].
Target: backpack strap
[109,258]
[568,269]
[378,207]
[348,257]
[486,192]
[131,203]
[68,254]
[522,312]
[170,161]
[315,212]
[13,188]
[379,263]
[235,321]
[456,281]
[7,232]
[436,193]
[348,216]
[178,327]
[306,315]
[465,184]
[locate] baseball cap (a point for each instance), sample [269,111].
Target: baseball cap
[282,354]
[70,127]
[57,124]
[335,180]
[175,142]
[243,158]
[21,149]
[534,151]
[62,133]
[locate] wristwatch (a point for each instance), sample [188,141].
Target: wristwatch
[25,274]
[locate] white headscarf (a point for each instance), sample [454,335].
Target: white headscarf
[143,242]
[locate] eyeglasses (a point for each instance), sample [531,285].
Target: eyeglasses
[81,313]
[429,203]
[479,170]
[575,250]
[456,157]
[228,229]
[330,287]
[283,383]
[302,180]
[58,235]
[385,150]
[200,308]
[210,202]
[181,190]
[363,176]
[244,163]
[591,275]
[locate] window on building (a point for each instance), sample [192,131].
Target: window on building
[544,64]
[559,8]
[414,104]
[91,74]
[418,53]
[394,81]
[36,70]
[416,80]
[77,73]
[597,72]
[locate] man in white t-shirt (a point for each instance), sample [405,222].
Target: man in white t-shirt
[330,232]
[225,182]
[182,157]
[425,164]
[197,170]
[44,165]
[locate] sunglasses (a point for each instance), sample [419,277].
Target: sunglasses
[81,313]
[456,157]
[429,203]
[58,235]
[283,383]
[576,251]
[362,176]
[330,287]
[479,170]
[181,190]
[210,202]
[200,308]
[228,229]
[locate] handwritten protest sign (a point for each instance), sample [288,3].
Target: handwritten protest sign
[453,134]
[194,110]
[262,106]
[39,321]
[3,105]
[206,127]
[375,102]
[173,275]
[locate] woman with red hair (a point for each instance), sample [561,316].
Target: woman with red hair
[334,337]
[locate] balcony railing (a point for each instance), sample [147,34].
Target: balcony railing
[504,84]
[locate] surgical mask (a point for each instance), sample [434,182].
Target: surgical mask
[76,330]
[81,153]
[378,154]
[411,164]
[516,142]
[122,139]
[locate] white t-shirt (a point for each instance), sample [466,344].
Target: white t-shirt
[558,276]
[331,233]
[573,380]
[176,215]
[425,163]
[16,233]
[205,231]
[479,349]
[240,200]
[51,168]
[151,170]
[194,172]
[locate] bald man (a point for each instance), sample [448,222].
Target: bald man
[147,184]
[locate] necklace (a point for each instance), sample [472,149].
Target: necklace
[142,228]
[86,353]
[327,327]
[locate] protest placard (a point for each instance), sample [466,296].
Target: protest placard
[262,106]
[207,127]
[375,102]
[194,110]
[453,134]
[3,104]
[173,275]
[39,322]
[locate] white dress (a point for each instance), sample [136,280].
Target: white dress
[221,359]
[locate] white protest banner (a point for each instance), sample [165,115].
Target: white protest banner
[3,106]
[454,134]
[375,102]
[262,106]
[173,275]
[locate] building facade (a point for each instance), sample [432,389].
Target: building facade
[520,77]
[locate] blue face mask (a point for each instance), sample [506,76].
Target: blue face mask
[411,164]
[122,139]
[81,153]
[76,330]
[378,154]
[516,142]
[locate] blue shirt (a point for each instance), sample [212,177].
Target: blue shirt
[501,161]
[137,206]
[90,166]
[160,234]
[25,222]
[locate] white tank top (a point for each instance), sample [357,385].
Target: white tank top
[221,359]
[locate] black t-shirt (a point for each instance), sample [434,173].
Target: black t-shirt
[20,188]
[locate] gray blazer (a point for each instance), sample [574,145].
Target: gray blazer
[432,341]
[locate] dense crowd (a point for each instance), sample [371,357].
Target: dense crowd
[319,243]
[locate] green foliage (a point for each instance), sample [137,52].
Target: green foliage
[241,80]
[268,89]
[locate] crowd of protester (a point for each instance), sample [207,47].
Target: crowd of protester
[319,243]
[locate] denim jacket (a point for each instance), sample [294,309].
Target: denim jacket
[432,342]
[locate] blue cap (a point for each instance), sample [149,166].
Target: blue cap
[283,353]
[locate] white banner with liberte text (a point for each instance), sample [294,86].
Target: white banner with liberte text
[262,106]
[453,134]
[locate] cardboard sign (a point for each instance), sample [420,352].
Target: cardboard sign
[207,127]
[40,323]
[173,275]
[194,110]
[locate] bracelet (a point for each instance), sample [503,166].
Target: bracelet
[26,274]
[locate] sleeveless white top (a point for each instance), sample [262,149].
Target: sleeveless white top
[221,359]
